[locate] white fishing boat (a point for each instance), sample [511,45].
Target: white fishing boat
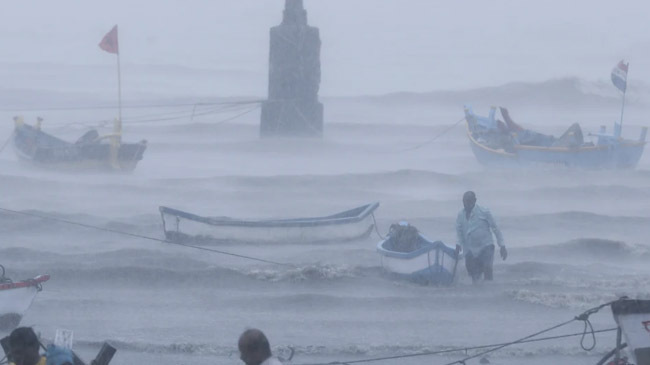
[422,260]
[184,227]
[16,298]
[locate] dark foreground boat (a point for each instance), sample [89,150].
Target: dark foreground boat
[506,144]
[90,152]
[407,254]
[350,225]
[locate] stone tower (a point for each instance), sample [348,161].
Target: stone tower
[292,108]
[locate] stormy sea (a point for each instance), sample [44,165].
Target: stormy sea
[577,239]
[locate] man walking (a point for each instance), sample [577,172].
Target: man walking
[474,228]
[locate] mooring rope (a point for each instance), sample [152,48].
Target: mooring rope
[127,106]
[89,226]
[445,131]
[7,141]
[495,347]
[376,227]
[458,349]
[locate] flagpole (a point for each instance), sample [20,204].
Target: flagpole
[118,127]
[620,126]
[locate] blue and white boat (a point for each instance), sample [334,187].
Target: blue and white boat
[506,144]
[431,262]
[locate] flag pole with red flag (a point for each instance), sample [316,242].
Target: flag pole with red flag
[110,44]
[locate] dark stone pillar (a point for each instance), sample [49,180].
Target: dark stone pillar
[292,108]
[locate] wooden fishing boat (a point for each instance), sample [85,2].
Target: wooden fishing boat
[422,260]
[16,298]
[184,227]
[90,152]
[505,143]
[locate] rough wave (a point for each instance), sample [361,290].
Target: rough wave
[551,348]
[595,247]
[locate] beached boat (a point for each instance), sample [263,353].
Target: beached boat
[16,298]
[90,152]
[350,225]
[417,258]
[505,143]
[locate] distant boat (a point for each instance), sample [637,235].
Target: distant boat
[505,143]
[349,225]
[424,261]
[16,298]
[90,152]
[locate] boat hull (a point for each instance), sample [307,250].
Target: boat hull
[185,227]
[434,263]
[43,150]
[625,155]
[15,300]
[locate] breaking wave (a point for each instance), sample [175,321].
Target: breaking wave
[316,272]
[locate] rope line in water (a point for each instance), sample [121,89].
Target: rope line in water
[462,349]
[191,115]
[133,106]
[89,226]
[445,131]
[376,227]
[169,116]
[236,116]
[4,145]
[582,317]
[495,347]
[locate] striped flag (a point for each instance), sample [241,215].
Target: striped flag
[619,75]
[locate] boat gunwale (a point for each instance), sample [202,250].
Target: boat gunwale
[492,150]
[65,144]
[624,143]
[428,247]
[334,219]
[25,283]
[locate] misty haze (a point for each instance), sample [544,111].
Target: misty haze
[406,89]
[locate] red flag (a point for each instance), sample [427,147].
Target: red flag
[109,43]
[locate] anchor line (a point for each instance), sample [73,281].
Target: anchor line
[445,131]
[135,235]
[376,227]
[4,145]
[495,347]
[132,106]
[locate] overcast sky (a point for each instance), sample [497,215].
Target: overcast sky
[369,46]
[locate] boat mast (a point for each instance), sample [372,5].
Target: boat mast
[620,126]
[118,122]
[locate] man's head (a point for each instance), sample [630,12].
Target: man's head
[24,346]
[469,200]
[254,347]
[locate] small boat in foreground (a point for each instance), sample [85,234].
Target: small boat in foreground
[633,319]
[90,152]
[407,254]
[349,225]
[16,298]
[505,144]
